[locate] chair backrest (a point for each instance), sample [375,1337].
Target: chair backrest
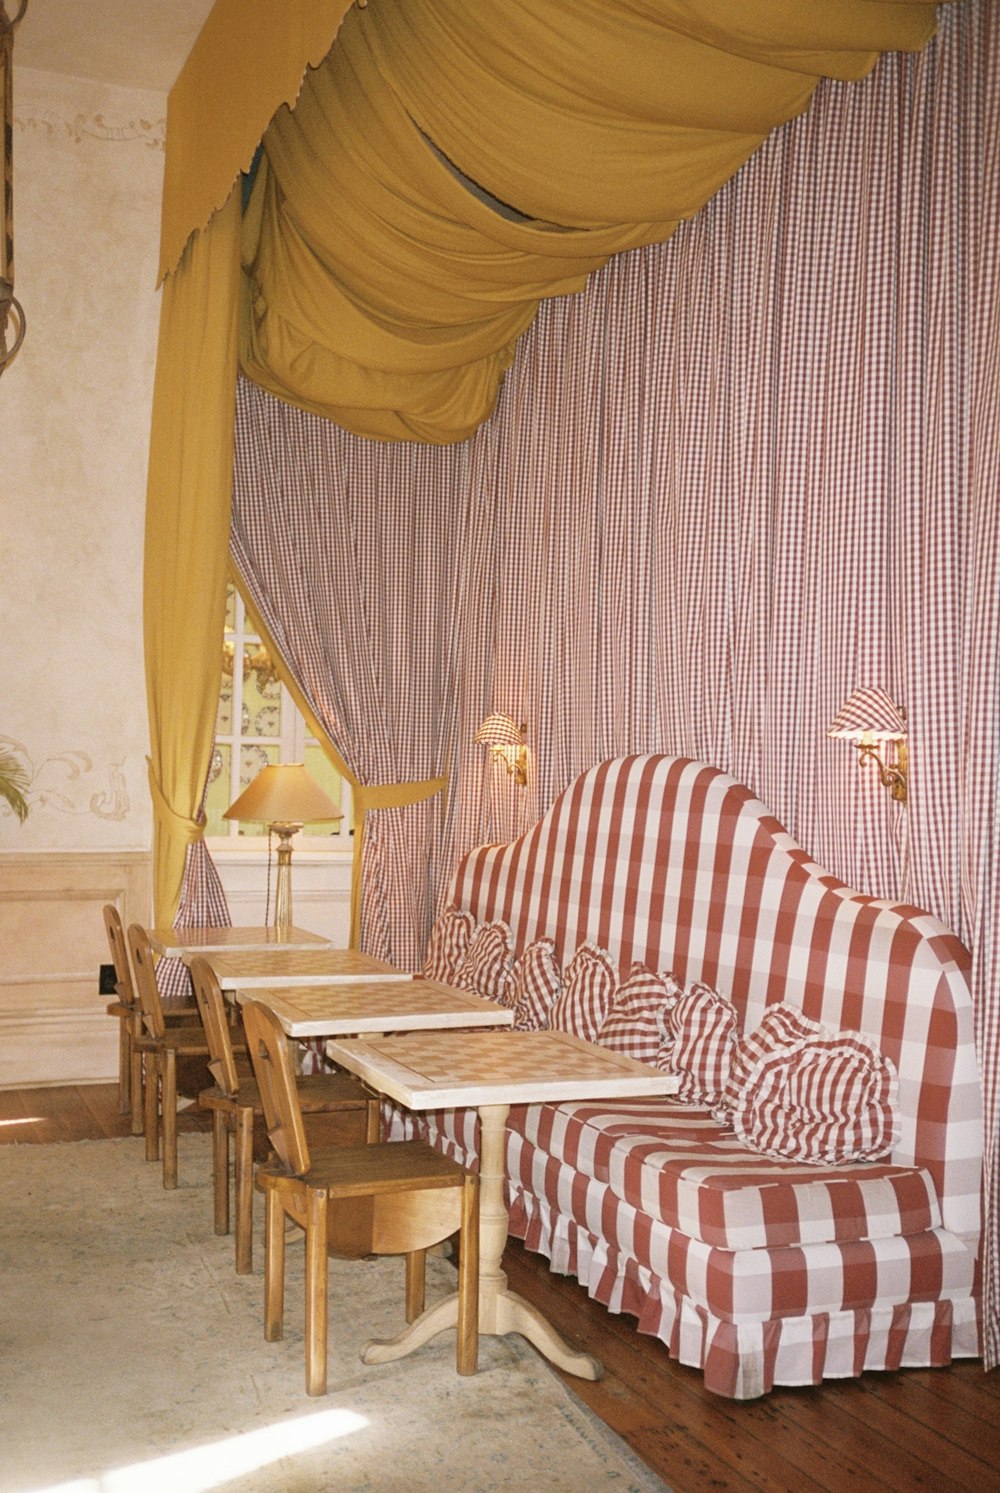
[147,990]
[119,955]
[279,1095]
[212,1008]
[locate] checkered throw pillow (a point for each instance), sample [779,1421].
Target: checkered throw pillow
[830,1099]
[488,966]
[636,1024]
[588,990]
[781,1026]
[537,985]
[701,1031]
[448,943]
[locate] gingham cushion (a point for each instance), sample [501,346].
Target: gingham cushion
[448,944]
[701,1032]
[537,985]
[676,1165]
[782,1026]
[636,1024]
[488,966]
[587,994]
[830,1099]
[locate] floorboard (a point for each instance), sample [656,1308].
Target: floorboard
[916,1431]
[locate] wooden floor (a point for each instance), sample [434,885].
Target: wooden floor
[932,1429]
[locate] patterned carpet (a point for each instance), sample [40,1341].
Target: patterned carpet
[132,1358]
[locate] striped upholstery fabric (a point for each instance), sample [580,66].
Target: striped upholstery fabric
[756,1270]
[781,1026]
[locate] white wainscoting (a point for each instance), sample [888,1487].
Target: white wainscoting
[54,1026]
[321,888]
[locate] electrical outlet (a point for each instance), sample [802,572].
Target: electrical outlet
[106,980]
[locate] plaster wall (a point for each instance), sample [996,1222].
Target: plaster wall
[74,430]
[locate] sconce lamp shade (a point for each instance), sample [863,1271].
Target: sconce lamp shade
[869,712]
[499,730]
[506,744]
[868,718]
[284,793]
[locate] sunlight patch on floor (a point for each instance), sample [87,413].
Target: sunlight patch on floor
[205,1467]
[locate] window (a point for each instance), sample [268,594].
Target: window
[258,723]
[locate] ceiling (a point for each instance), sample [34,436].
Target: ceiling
[130,43]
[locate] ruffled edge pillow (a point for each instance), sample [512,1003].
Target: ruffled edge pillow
[537,985]
[488,966]
[589,984]
[701,1033]
[827,1100]
[448,944]
[636,1024]
[781,1026]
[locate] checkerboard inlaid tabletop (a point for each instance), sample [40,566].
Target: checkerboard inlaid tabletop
[375,1006]
[441,1069]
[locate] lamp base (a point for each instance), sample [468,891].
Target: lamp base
[283,889]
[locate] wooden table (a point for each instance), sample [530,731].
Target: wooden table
[342,1010]
[492,1071]
[249,969]
[184,943]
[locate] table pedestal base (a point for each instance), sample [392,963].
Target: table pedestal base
[500,1310]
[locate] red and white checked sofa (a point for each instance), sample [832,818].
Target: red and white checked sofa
[756,1269]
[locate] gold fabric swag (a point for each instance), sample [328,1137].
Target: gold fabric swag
[445,166]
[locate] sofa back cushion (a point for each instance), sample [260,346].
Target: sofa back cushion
[672,863]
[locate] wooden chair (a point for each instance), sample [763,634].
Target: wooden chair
[235,1104]
[353,1201]
[126,1008]
[160,1046]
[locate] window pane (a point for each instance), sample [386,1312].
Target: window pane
[224,715]
[261,694]
[218,797]
[328,778]
[252,759]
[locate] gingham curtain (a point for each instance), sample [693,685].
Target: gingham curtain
[742,474]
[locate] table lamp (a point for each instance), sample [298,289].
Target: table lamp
[284,797]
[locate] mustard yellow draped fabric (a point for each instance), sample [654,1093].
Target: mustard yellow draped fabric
[187,537]
[450,164]
[248,58]
[445,167]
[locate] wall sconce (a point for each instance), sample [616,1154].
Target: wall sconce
[869,719]
[506,742]
[284,797]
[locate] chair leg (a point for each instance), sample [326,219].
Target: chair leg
[416,1276]
[467,1335]
[124,1055]
[135,1080]
[274,1268]
[220,1170]
[150,1106]
[168,1112]
[316,1292]
[244,1190]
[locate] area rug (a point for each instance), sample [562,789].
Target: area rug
[133,1360]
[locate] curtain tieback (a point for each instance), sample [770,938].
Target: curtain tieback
[190,831]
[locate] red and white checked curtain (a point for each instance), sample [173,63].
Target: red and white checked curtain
[742,474]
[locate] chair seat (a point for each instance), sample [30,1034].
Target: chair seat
[365,1171]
